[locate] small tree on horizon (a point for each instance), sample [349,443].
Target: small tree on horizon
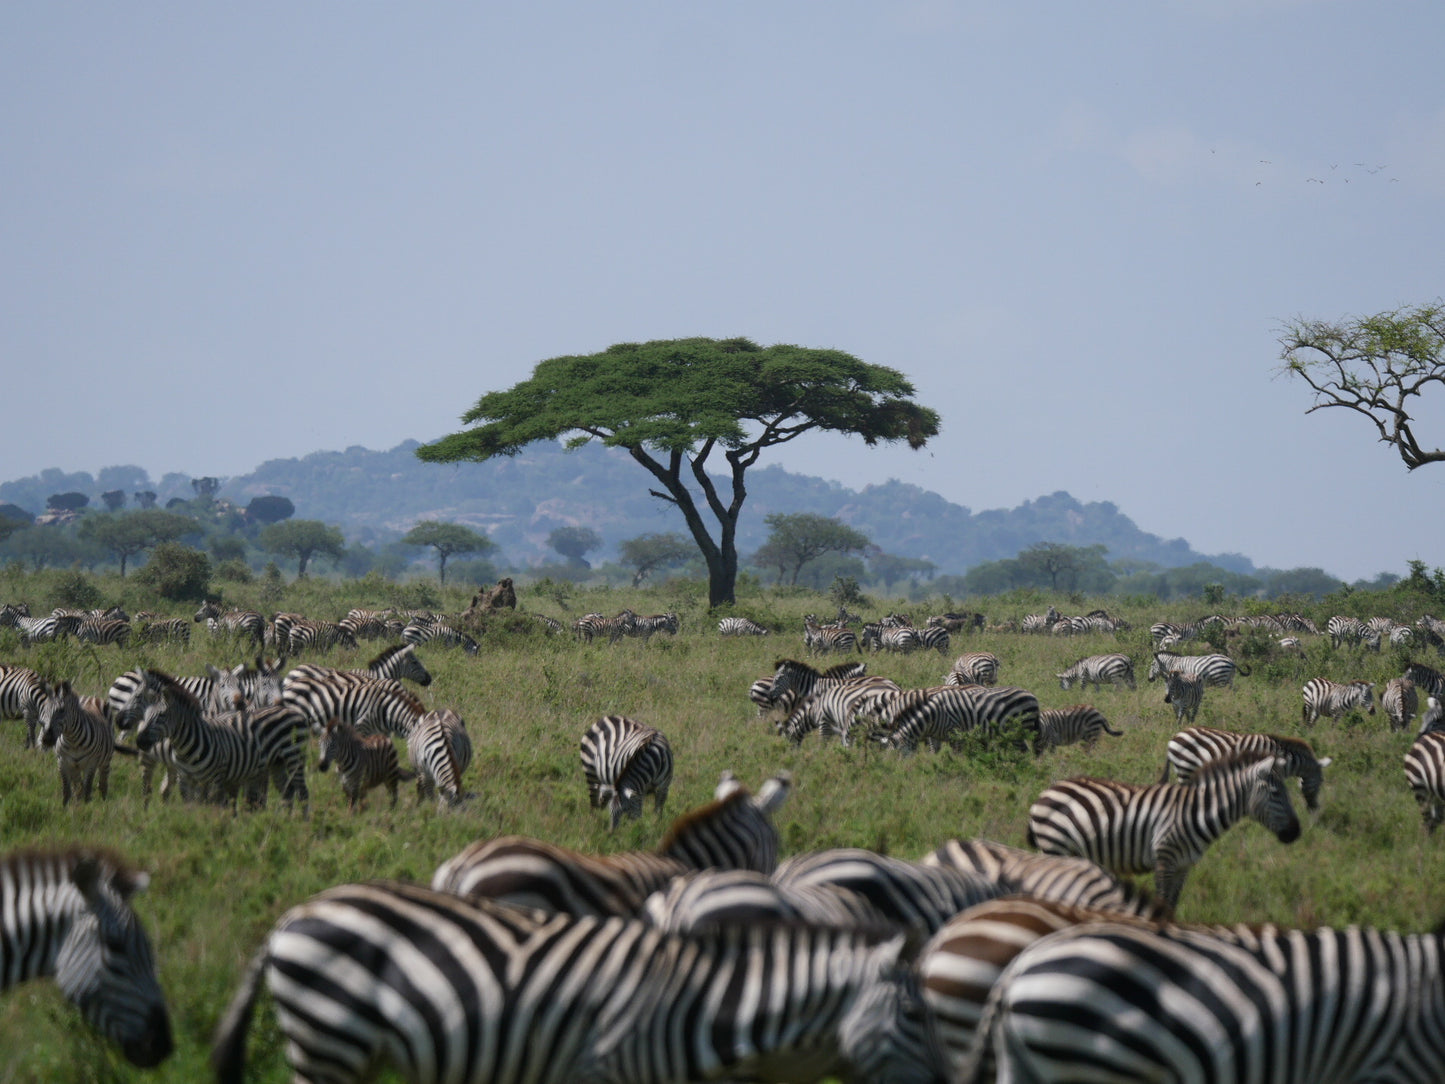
[449,540]
[573,543]
[648,553]
[800,537]
[302,540]
[126,534]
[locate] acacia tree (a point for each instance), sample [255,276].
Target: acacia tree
[303,539]
[800,537]
[448,539]
[647,553]
[574,543]
[1373,365]
[673,403]
[124,535]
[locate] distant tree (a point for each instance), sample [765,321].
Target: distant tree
[66,502]
[649,553]
[145,499]
[205,488]
[573,542]
[772,556]
[1301,581]
[448,539]
[126,534]
[823,572]
[114,499]
[9,526]
[303,540]
[227,547]
[176,572]
[15,512]
[1053,562]
[799,537]
[177,502]
[269,509]
[44,547]
[891,568]
[671,403]
[1374,366]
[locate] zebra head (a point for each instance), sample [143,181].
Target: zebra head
[1268,799]
[886,1036]
[104,964]
[326,745]
[56,704]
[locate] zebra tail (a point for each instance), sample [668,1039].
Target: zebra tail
[1243,670]
[127,750]
[1164,775]
[1110,730]
[228,1051]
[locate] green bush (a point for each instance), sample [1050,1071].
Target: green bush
[177,572]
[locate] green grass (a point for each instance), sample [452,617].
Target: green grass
[220,879]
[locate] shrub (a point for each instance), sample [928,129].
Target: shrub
[177,572]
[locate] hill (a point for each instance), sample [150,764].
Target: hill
[376,496]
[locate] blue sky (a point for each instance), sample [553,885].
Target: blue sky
[242,232]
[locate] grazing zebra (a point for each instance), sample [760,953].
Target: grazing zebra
[794,681]
[1099,670]
[973,668]
[707,898]
[1258,1003]
[646,625]
[361,763]
[82,738]
[1325,697]
[1400,702]
[1214,669]
[623,761]
[396,663]
[1430,718]
[1428,680]
[914,898]
[438,632]
[740,626]
[1062,879]
[372,624]
[1425,772]
[22,693]
[551,624]
[447,989]
[247,623]
[1163,633]
[440,751]
[900,638]
[152,628]
[1036,623]
[371,705]
[946,712]
[934,638]
[1190,750]
[1163,827]
[824,639]
[38,630]
[1185,692]
[102,630]
[1351,630]
[1068,726]
[305,635]
[66,916]
[957,622]
[591,626]
[834,708]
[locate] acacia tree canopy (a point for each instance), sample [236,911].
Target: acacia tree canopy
[672,403]
[1373,365]
[125,534]
[448,539]
[647,553]
[800,537]
[303,539]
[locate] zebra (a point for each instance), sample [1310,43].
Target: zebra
[306,635]
[22,693]
[900,638]
[1259,1003]
[934,638]
[794,681]
[973,668]
[1099,670]
[1059,878]
[372,624]
[1427,679]
[1067,726]
[1163,633]
[1351,630]
[440,751]
[439,632]
[645,626]
[1191,749]
[448,989]
[1400,702]
[82,738]
[243,623]
[1430,718]
[741,626]
[1332,698]
[834,708]
[734,831]
[152,628]
[1425,772]
[361,763]
[396,663]
[1185,692]
[957,622]
[66,915]
[550,624]
[1163,827]
[947,712]
[102,630]
[706,898]
[1214,669]
[591,626]
[824,639]
[41,630]
[1036,623]
[369,704]
[623,761]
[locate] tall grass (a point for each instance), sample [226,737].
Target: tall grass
[220,879]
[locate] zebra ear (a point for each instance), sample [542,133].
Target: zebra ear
[1325,762]
[774,793]
[86,876]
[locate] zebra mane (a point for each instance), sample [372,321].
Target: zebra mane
[1221,766]
[169,685]
[1297,746]
[66,861]
[686,824]
[796,666]
[388,653]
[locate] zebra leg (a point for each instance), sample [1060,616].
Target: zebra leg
[659,799]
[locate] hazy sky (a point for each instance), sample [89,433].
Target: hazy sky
[232,233]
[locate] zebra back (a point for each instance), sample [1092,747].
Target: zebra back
[1192,748]
[735,831]
[622,761]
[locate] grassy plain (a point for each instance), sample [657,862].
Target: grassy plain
[221,879]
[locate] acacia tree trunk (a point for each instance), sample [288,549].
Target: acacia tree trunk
[720,555]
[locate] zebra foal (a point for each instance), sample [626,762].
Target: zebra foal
[84,742]
[361,763]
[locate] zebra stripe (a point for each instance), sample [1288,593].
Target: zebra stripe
[1400,702]
[83,740]
[305,635]
[1165,827]
[623,761]
[903,639]
[1062,879]
[973,668]
[66,915]
[1351,630]
[1068,726]
[734,831]
[825,639]
[947,712]
[645,626]
[1325,697]
[834,708]
[740,626]
[440,751]
[371,705]
[396,663]
[446,989]
[1427,679]
[1185,692]
[1099,670]
[794,681]
[438,632]
[361,763]
[1425,772]
[152,628]
[934,638]
[101,630]
[1191,749]
[1221,1004]
[1214,669]
[247,623]
[22,693]
[591,626]
[708,898]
